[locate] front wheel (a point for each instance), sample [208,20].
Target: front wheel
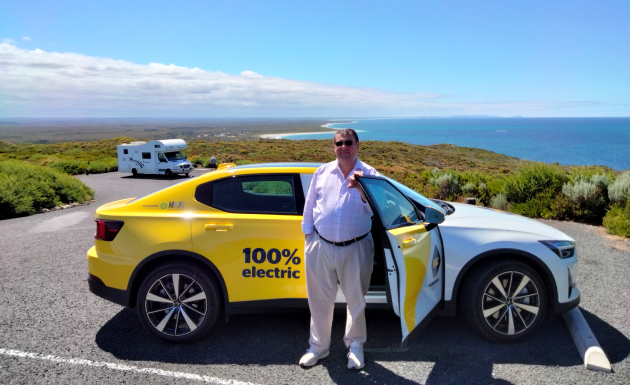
[504,301]
[178,302]
[168,172]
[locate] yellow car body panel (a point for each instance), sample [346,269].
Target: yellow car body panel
[113,269]
[171,219]
[226,245]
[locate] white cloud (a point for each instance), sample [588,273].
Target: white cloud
[38,83]
[6,40]
[251,75]
[26,38]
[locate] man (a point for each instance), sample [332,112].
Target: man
[338,248]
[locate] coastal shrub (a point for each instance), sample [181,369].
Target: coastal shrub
[26,188]
[582,192]
[205,162]
[499,202]
[619,190]
[588,199]
[469,188]
[242,161]
[548,205]
[601,181]
[112,165]
[76,167]
[196,160]
[72,167]
[483,194]
[96,168]
[533,179]
[617,220]
[448,186]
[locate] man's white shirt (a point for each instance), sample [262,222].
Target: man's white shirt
[336,211]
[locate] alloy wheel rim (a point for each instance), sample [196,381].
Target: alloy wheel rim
[176,304]
[510,303]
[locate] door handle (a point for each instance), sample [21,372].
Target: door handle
[409,242]
[215,227]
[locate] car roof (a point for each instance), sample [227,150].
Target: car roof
[283,164]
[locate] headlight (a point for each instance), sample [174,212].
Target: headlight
[564,249]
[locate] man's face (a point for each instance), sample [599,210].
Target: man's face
[344,152]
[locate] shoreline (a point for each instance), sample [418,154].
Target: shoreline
[282,135]
[327,125]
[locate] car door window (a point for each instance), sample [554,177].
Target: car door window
[267,194]
[393,208]
[162,158]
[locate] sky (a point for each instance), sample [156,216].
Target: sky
[314,59]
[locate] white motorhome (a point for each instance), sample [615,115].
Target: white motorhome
[161,157]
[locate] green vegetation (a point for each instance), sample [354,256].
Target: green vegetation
[617,221]
[588,194]
[71,157]
[26,188]
[268,187]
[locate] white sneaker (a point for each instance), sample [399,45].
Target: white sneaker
[311,358]
[355,356]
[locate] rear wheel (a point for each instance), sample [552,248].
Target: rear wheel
[504,301]
[178,302]
[134,172]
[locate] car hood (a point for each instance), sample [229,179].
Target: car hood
[469,216]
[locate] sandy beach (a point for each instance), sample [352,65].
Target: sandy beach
[327,125]
[280,136]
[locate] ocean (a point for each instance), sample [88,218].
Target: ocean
[568,141]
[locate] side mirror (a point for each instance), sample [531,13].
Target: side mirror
[432,215]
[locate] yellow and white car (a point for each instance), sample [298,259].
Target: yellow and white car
[231,241]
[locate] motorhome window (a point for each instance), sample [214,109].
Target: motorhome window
[270,194]
[161,157]
[125,151]
[173,156]
[146,155]
[157,146]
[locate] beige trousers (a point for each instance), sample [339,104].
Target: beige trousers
[325,265]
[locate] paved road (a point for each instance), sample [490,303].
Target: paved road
[53,330]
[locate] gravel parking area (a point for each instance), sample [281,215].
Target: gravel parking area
[53,330]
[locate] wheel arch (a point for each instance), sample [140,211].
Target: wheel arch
[155,260]
[450,307]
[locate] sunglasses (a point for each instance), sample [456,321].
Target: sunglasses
[348,143]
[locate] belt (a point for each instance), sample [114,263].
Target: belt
[344,243]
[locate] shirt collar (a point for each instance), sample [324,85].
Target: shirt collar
[357,166]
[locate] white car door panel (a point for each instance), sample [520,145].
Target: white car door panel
[415,260]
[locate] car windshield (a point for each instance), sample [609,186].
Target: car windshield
[173,156]
[419,198]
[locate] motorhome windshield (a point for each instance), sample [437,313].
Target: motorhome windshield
[173,156]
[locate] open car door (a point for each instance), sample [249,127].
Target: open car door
[414,255]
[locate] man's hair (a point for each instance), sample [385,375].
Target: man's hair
[347,132]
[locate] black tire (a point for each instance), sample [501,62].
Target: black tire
[168,172]
[518,314]
[182,319]
[187,174]
[134,172]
